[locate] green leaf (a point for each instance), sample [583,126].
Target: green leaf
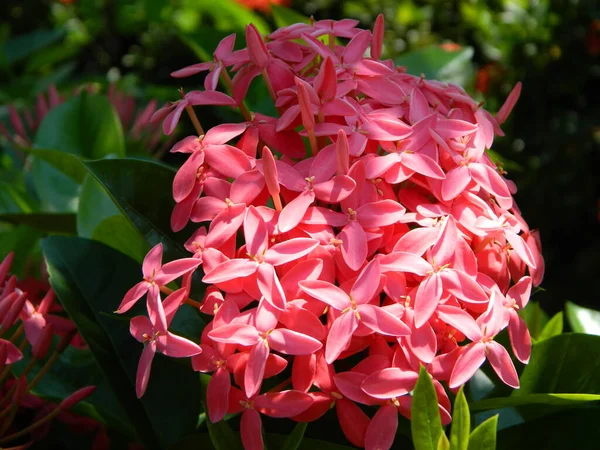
[86,125]
[583,320]
[573,429]
[533,399]
[461,423]
[565,363]
[22,240]
[90,279]
[67,163]
[14,197]
[142,191]
[553,328]
[118,233]
[20,47]
[535,318]
[426,424]
[438,63]
[223,437]
[443,443]
[484,436]
[50,222]
[294,439]
[95,205]
[285,16]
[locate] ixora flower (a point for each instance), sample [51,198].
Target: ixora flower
[391,236]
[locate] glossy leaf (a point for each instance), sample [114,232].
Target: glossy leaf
[142,191]
[426,425]
[533,399]
[554,327]
[95,205]
[118,233]
[563,364]
[484,436]
[461,423]
[583,320]
[90,279]
[294,439]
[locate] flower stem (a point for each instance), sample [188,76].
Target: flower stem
[195,121]
[31,427]
[189,301]
[62,345]
[229,86]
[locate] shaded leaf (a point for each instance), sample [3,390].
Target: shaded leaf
[286,16]
[118,233]
[49,222]
[22,46]
[90,279]
[436,62]
[294,439]
[533,399]
[95,205]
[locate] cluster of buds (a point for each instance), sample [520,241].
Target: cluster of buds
[22,126]
[28,321]
[378,236]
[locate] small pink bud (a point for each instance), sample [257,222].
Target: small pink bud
[377,42]
[509,104]
[14,310]
[5,265]
[46,302]
[53,96]
[20,390]
[342,153]
[9,288]
[16,122]
[76,397]
[308,118]
[326,81]
[257,50]
[42,344]
[270,171]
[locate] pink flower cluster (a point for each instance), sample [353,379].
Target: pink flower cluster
[374,226]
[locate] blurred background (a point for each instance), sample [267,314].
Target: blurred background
[552,143]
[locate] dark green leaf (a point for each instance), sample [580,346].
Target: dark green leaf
[21,240]
[573,429]
[484,436]
[566,363]
[535,318]
[533,399]
[90,279]
[142,190]
[276,441]
[554,327]
[223,437]
[426,424]
[461,423]
[294,439]
[21,46]
[583,320]
[50,222]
